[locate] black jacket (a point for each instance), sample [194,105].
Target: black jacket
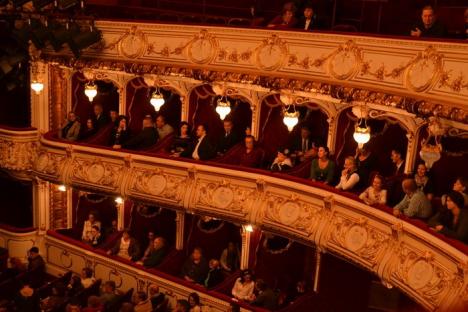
[147,137]
[302,21]
[227,141]
[206,150]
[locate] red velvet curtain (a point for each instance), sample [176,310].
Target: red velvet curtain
[104,207]
[202,111]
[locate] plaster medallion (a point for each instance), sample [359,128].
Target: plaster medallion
[422,74]
[202,48]
[223,197]
[270,55]
[344,64]
[95,173]
[133,44]
[420,274]
[356,238]
[289,212]
[156,184]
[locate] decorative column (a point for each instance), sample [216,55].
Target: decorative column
[411,151]
[318,261]
[180,225]
[120,215]
[69,207]
[245,249]
[58,207]
[332,128]
[41,203]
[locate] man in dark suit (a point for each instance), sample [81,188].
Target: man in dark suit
[200,149]
[428,26]
[307,21]
[266,297]
[146,138]
[399,163]
[305,146]
[229,139]
[100,119]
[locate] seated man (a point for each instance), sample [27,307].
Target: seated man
[164,129]
[95,238]
[415,204]
[108,297]
[114,117]
[100,119]
[428,26]
[251,156]
[266,297]
[215,274]
[305,147]
[157,298]
[195,268]
[307,22]
[282,161]
[158,253]
[200,149]
[398,162]
[146,138]
[126,247]
[71,130]
[229,138]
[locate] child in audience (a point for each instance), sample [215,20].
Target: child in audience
[375,194]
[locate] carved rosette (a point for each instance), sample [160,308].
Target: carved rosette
[291,212]
[423,275]
[362,242]
[96,172]
[157,184]
[49,165]
[224,196]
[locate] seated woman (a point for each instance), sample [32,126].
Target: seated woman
[349,176]
[121,133]
[282,161]
[322,168]
[71,130]
[230,258]
[126,247]
[87,235]
[460,186]
[95,237]
[423,181]
[365,163]
[453,221]
[182,141]
[251,156]
[285,20]
[374,194]
[195,268]
[244,287]
[90,129]
[157,254]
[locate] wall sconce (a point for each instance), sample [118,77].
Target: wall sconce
[90,91]
[224,107]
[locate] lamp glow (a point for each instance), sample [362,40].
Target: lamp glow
[248,228]
[90,91]
[62,188]
[362,133]
[291,119]
[157,100]
[37,86]
[119,200]
[223,108]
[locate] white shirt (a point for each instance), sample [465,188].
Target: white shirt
[371,196]
[243,291]
[347,182]
[195,150]
[307,23]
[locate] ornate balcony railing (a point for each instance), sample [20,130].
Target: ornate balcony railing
[403,253]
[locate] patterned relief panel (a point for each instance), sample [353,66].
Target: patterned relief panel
[158,184]
[104,174]
[50,165]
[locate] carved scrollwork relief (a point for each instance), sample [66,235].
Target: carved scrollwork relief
[159,184]
[424,70]
[202,48]
[18,156]
[49,164]
[96,171]
[271,53]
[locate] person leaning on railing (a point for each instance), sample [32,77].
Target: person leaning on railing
[71,130]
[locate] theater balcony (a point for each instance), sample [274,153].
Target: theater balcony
[402,87]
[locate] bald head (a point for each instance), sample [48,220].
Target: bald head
[409,186]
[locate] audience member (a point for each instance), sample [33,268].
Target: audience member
[229,138]
[423,181]
[114,117]
[27,300]
[200,149]
[94,305]
[90,129]
[194,302]
[365,163]
[182,141]
[285,20]
[244,286]
[71,130]
[36,267]
[266,297]
[415,204]
[126,247]
[141,303]
[398,162]
[74,287]
[230,258]
[322,168]
[164,129]
[95,238]
[87,278]
[215,274]
[460,185]
[349,176]
[121,133]
[157,298]
[55,300]
[182,306]
[158,253]
[149,246]
[108,296]
[452,221]
[375,194]
[195,267]
[87,235]
[147,137]
[16,267]
[299,290]
[251,156]
[307,21]
[114,228]
[100,119]
[428,26]
[127,307]
[282,161]
[304,146]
